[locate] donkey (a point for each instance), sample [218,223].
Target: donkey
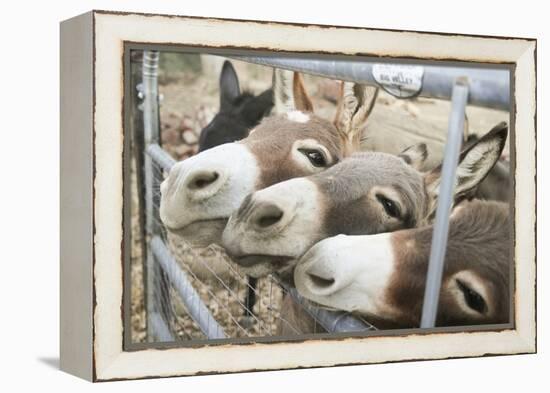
[383,276]
[201,192]
[239,111]
[366,193]
[238,114]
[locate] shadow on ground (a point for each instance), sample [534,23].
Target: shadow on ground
[52,362]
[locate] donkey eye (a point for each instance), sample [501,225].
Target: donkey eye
[473,299]
[390,206]
[316,158]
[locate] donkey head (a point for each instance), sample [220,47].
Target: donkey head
[238,113]
[383,276]
[201,192]
[366,193]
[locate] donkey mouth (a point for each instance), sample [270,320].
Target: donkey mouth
[277,261]
[200,233]
[194,225]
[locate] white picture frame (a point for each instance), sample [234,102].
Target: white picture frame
[92,143]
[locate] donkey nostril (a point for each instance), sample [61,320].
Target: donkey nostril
[265,222]
[269,215]
[320,282]
[202,180]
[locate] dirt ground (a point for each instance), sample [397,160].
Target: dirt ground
[190,98]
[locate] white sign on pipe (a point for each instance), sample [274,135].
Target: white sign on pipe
[402,81]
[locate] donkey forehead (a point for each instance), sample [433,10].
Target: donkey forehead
[357,174]
[288,127]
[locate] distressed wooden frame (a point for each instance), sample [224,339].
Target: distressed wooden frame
[92,140]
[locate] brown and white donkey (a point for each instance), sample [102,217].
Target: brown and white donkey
[201,192]
[383,276]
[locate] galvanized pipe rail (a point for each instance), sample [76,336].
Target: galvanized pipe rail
[444,204]
[190,297]
[159,326]
[160,157]
[331,321]
[488,88]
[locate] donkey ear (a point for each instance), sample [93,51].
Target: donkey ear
[289,93]
[475,162]
[258,107]
[354,107]
[415,155]
[301,98]
[283,96]
[229,85]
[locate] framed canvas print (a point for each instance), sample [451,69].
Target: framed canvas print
[246,195]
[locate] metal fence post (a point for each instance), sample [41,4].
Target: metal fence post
[444,204]
[156,283]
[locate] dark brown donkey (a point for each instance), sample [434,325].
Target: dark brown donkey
[383,276]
